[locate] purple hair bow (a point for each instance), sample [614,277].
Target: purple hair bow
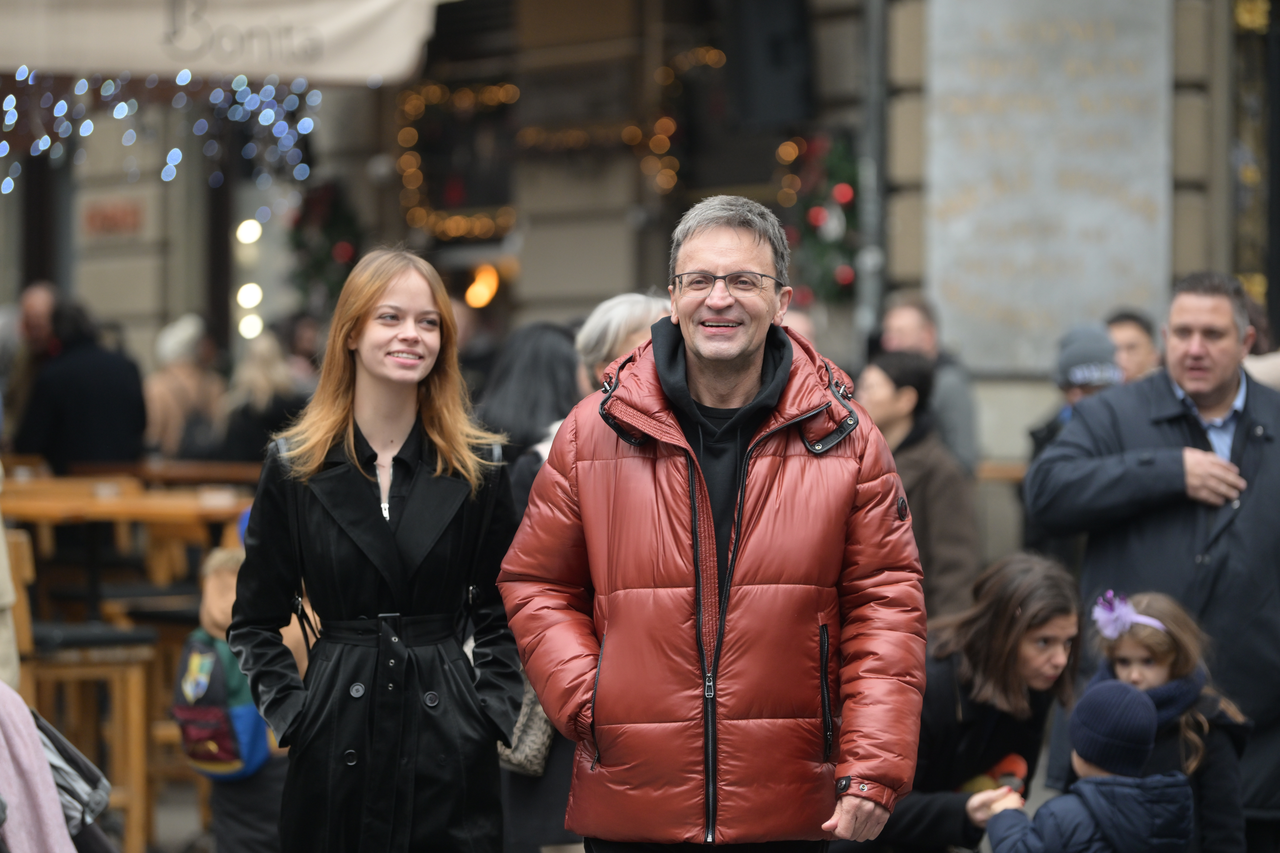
[1114,615]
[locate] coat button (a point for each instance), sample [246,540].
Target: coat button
[862,787]
[357,690]
[1258,430]
[350,757]
[431,699]
[1235,504]
[1199,559]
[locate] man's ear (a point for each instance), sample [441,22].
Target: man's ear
[784,300]
[675,318]
[1250,335]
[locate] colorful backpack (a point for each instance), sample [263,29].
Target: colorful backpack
[223,735]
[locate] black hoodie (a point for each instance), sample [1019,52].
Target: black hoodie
[720,437]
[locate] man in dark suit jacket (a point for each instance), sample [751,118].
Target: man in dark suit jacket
[87,404]
[1176,479]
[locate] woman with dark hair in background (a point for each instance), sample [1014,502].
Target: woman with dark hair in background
[895,390]
[534,383]
[993,673]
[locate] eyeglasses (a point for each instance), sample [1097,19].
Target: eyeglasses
[738,283]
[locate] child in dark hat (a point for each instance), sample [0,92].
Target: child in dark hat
[1110,810]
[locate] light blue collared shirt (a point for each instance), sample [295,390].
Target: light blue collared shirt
[1221,431]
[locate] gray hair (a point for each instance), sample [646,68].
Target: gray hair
[612,322]
[1218,284]
[180,340]
[734,212]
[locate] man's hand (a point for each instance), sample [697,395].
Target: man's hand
[982,805]
[1210,480]
[857,819]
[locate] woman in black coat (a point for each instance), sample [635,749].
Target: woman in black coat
[993,673]
[382,504]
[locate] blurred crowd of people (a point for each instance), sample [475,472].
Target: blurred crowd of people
[1149,544]
[60,370]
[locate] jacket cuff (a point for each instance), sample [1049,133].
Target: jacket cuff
[868,790]
[284,719]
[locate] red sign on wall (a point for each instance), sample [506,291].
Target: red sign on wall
[114,218]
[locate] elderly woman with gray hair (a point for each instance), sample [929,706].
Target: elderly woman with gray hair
[534,806]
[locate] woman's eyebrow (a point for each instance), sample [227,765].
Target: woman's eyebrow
[387,305]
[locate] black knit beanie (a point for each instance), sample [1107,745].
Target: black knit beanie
[1114,727]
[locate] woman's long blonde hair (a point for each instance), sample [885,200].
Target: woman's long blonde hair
[443,403]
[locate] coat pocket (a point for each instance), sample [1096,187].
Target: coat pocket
[595,689]
[304,726]
[828,726]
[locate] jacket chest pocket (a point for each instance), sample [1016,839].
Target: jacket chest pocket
[828,721]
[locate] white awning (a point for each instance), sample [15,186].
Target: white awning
[333,41]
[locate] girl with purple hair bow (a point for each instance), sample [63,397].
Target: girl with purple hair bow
[1152,643]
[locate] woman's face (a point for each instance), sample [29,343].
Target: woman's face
[636,339]
[1134,664]
[1044,651]
[401,339]
[880,397]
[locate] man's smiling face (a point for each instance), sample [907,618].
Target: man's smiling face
[716,325]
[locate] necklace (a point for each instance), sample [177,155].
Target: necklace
[386,511]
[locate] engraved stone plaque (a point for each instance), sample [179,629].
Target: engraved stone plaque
[1048,171]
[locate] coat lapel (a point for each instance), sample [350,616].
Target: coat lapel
[1251,438]
[340,490]
[429,508]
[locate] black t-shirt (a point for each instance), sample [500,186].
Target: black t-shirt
[721,453]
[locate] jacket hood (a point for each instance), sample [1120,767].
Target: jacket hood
[1139,815]
[670,361]
[637,406]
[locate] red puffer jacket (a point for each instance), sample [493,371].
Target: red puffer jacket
[704,721]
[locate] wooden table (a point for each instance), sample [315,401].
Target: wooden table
[1002,470]
[32,505]
[176,472]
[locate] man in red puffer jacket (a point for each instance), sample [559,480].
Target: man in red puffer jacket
[715,589]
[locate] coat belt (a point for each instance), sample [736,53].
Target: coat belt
[388,781]
[410,631]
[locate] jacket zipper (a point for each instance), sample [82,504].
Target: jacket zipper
[709,673]
[708,680]
[828,733]
[595,689]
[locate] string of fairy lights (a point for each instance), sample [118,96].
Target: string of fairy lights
[50,115]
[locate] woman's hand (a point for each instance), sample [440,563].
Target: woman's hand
[1012,800]
[982,805]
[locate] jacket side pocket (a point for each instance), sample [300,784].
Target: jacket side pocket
[595,689]
[828,726]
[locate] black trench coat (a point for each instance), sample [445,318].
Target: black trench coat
[393,737]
